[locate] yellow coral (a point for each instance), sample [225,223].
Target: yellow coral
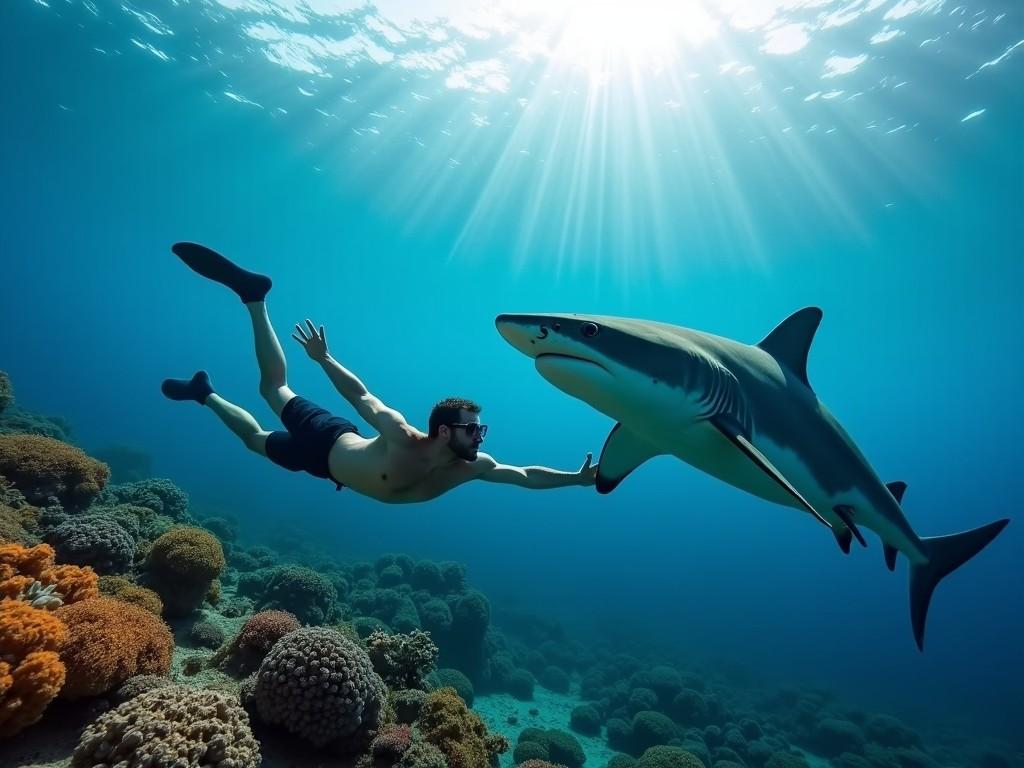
[121,588]
[109,641]
[446,722]
[31,672]
[41,466]
[20,566]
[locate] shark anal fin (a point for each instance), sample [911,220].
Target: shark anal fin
[731,430]
[623,452]
[890,556]
[790,341]
[897,488]
[844,538]
[845,514]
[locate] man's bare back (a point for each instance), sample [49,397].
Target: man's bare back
[401,464]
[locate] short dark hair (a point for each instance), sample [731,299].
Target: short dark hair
[447,412]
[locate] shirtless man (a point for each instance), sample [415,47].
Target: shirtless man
[400,465]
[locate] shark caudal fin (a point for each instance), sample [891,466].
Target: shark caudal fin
[945,555]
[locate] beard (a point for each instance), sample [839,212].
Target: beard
[464,452]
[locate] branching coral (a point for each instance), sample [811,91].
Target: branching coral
[31,672]
[182,566]
[171,726]
[42,467]
[21,566]
[447,723]
[109,641]
[402,660]
[321,686]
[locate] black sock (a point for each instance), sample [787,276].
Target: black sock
[197,388]
[250,286]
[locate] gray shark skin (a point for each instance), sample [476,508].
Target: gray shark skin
[743,413]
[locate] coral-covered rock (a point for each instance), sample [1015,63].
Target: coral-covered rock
[668,757]
[407,704]
[19,520]
[109,641]
[256,637]
[206,634]
[585,719]
[21,566]
[446,677]
[447,723]
[320,685]
[6,391]
[93,540]
[123,588]
[31,672]
[422,754]
[139,684]
[171,726]
[42,467]
[182,566]
[402,660]
[157,493]
[390,743]
[301,591]
[651,729]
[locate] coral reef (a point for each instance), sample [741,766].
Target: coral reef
[182,566]
[122,588]
[93,540]
[6,391]
[43,468]
[158,494]
[446,677]
[321,686]
[255,639]
[21,566]
[171,726]
[402,660]
[206,634]
[31,673]
[447,723]
[109,641]
[301,591]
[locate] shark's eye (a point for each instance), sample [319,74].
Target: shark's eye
[556,326]
[589,329]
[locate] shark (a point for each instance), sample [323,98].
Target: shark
[743,413]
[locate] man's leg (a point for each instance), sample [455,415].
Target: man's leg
[273,369]
[236,419]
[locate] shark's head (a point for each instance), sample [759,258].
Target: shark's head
[611,363]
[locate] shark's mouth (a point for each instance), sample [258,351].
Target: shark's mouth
[559,355]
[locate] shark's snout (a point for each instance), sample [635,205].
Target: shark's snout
[522,331]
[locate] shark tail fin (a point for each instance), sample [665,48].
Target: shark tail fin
[945,555]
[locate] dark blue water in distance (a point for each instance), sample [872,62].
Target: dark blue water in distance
[406,178]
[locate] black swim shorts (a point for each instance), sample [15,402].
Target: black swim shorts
[312,431]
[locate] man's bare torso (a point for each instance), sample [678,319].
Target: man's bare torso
[395,471]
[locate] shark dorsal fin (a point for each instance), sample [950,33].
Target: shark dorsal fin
[790,341]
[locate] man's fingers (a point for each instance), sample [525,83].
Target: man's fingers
[302,332]
[323,335]
[312,328]
[301,341]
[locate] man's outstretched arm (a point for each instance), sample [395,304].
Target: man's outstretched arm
[387,421]
[538,478]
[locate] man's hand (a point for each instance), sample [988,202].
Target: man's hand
[315,343]
[587,473]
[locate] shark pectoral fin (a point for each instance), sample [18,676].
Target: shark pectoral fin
[623,452]
[890,556]
[845,514]
[731,429]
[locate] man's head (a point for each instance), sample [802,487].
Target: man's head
[457,422]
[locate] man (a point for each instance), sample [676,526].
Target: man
[401,464]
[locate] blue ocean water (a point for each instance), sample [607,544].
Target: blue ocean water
[407,171]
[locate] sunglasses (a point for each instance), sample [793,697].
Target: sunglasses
[473,428]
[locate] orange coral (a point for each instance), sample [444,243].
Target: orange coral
[20,566]
[31,672]
[41,467]
[109,641]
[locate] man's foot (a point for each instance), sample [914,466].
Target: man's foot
[249,286]
[197,388]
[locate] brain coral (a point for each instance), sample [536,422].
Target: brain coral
[320,685]
[301,591]
[109,641]
[182,566]
[170,727]
[96,541]
[41,467]
[447,723]
[20,566]
[31,673]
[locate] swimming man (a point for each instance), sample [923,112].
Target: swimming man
[400,464]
